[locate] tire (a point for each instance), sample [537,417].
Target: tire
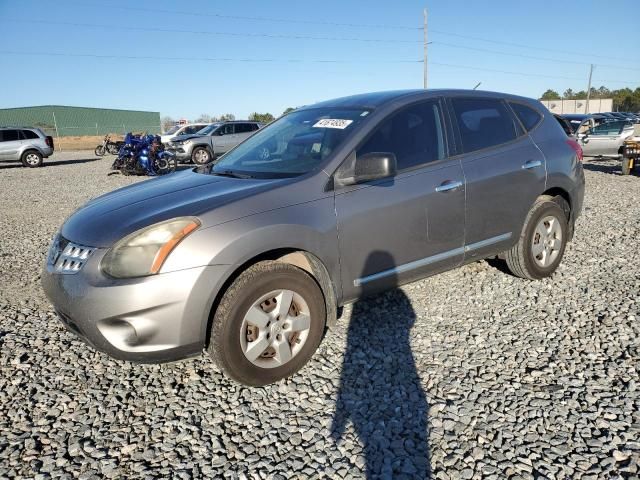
[201,156]
[531,258]
[626,166]
[99,151]
[233,333]
[31,159]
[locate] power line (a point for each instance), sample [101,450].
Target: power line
[524,74]
[533,57]
[294,36]
[206,59]
[245,17]
[531,47]
[284,60]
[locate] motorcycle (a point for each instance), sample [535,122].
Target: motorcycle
[108,146]
[144,155]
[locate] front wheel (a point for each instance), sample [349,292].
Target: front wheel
[626,165]
[542,242]
[99,151]
[268,324]
[201,156]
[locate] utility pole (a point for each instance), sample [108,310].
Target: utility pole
[425,47]
[589,89]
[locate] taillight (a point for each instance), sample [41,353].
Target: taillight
[576,148]
[49,141]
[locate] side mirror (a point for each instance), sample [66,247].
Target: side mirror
[372,166]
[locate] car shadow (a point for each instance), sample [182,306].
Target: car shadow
[380,391]
[52,163]
[608,167]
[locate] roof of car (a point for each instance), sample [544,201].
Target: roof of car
[581,116]
[377,99]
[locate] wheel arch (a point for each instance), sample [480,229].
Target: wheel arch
[302,259]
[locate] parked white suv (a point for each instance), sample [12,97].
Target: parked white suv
[178,131]
[25,144]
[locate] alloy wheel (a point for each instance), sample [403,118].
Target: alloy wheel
[547,241]
[275,328]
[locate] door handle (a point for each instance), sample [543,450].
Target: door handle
[448,185]
[531,164]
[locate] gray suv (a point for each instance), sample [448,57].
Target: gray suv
[213,140]
[24,144]
[250,258]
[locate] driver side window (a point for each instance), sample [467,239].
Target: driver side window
[610,128]
[413,134]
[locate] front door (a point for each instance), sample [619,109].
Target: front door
[603,139]
[224,138]
[396,230]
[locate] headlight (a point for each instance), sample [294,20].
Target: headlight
[143,252]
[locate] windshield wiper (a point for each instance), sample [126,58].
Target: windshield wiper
[232,174]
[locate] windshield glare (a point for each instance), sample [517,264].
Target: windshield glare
[172,130]
[208,129]
[292,145]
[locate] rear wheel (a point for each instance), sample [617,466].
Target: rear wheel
[542,242]
[268,324]
[32,159]
[201,156]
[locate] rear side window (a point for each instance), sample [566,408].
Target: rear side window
[483,122]
[28,134]
[9,135]
[527,115]
[414,135]
[244,127]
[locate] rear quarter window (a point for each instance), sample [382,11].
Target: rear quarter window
[29,134]
[527,115]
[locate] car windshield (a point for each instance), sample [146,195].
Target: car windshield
[208,129]
[292,145]
[172,130]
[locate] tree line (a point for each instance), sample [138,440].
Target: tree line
[167,121]
[624,99]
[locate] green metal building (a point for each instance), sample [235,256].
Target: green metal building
[64,121]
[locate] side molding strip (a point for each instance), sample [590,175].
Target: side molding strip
[358,282]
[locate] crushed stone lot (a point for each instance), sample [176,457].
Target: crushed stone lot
[486,375]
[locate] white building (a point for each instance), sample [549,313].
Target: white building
[596,105]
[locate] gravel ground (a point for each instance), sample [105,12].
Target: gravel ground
[484,374]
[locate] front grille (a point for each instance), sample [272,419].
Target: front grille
[67,257]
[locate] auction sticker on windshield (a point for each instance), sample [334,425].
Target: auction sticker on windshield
[333,123]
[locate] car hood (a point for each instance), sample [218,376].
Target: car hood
[106,219]
[182,138]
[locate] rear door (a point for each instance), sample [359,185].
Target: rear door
[10,144]
[243,131]
[396,230]
[504,170]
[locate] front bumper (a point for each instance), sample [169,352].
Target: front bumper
[154,319]
[182,152]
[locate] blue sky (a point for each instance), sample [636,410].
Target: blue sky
[180,84]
